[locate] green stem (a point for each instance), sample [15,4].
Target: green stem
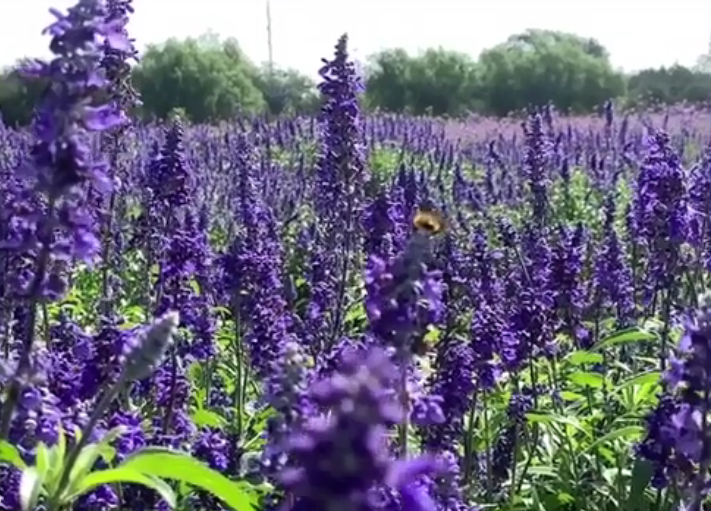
[468,465]
[404,402]
[104,403]
[239,385]
[514,463]
[569,446]
[487,447]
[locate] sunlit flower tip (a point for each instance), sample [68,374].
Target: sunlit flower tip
[151,347]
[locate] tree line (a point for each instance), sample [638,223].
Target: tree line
[211,79]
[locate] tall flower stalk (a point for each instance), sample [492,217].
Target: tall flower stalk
[341,172]
[117,67]
[403,299]
[678,441]
[62,163]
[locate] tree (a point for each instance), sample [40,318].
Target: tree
[287,91]
[668,85]
[388,80]
[539,66]
[208,78]
[438,81]
[18,97]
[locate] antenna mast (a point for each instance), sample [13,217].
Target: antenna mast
[269,38]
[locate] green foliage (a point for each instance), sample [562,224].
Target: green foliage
[575,434]
[18,97]
[388,80]
[147,467]
[286,91]
[539,66]
[164,463]
[437,82]
[208,78]
[669,85]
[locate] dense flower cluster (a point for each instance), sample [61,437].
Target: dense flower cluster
[678,441]
[403,296]
[337,458]
[368,312]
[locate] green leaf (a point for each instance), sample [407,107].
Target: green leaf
[556,419]
[10,454]
[30,488]
[641,476]
[169,464]
[56,464]
[624,337]
[624,432]
[432,336]
[578,358]
[586,379]
[91,453]
[571,396]
[355,314]
[652,377]
[42,459]
[61,446]
[204,417]
[86,461]
[565,497]
[122,475]
[543,470]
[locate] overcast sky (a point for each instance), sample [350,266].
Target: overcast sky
[637,33]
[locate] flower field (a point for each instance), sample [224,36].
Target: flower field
[350,312]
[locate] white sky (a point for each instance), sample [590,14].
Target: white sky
[638,33]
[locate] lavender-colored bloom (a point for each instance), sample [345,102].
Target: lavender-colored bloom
[403,297]
[529,331]
[661,212]
[384,225]
[700,202]
[151,345]
[188,250]
[612,279]
[341,176]
[487,324]
[677,440]
[503,453]
[60,231]
[251,271]
[567,282]
[133,437]
[61,156]
[453,382]
[336,459]
[286,390]
[168,178]
[116,59]
[341,172]
[448,492]
[535,166]
[10,484]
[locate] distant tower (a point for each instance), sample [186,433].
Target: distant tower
[269,38]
